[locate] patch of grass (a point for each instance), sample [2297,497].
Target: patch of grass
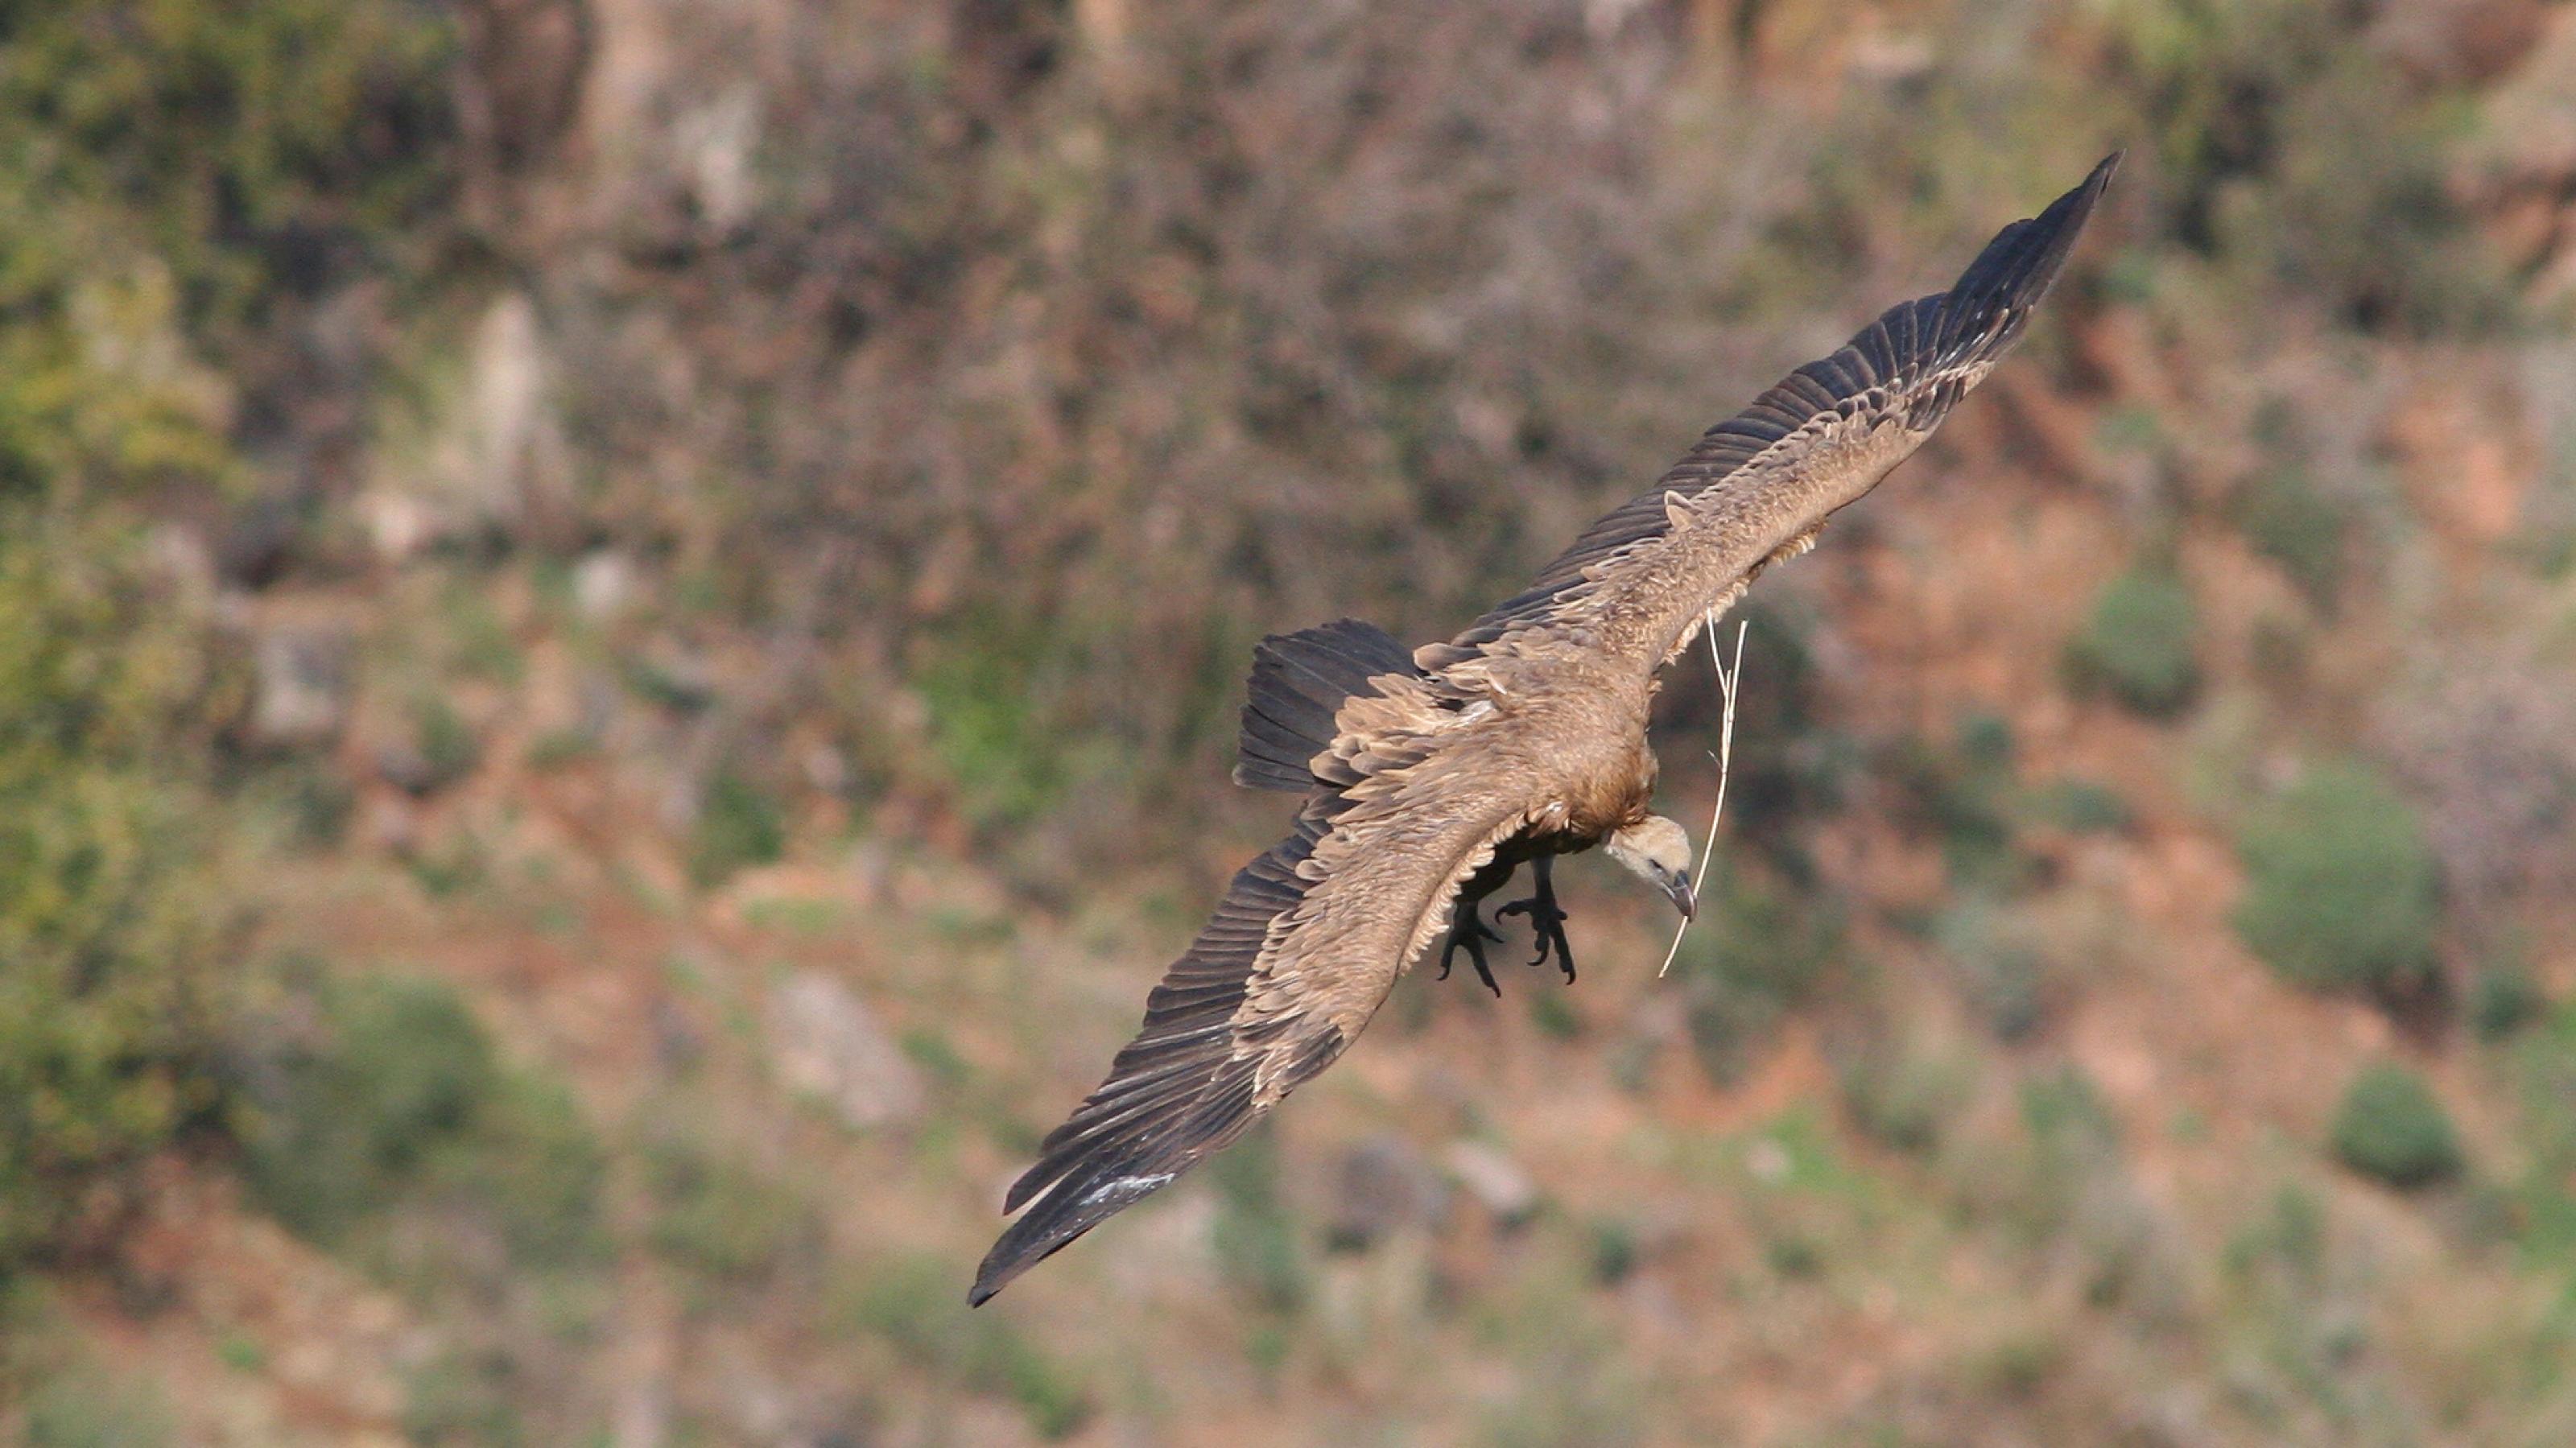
[561,749]
[479,642]
[795,915]
[989,726]
[916,1303]
[2064,1109]
[55,1392]
[460,1396]
[2340,885]
[310,801]
[2289,1235]
[2069,1156]
[2137,643]
[88,1407]
[1256,1237]
[2020,1364]
[934,1054]
[449,866]
[2391,1127]
[721,1218]
[1906,1097]
[2544,1065]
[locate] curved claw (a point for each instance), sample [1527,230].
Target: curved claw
[1547,925]
[1470,934]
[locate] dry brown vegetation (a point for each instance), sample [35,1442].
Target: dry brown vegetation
[619,630]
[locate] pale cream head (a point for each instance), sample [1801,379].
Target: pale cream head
[1658,850]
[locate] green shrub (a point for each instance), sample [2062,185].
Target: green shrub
[739,824]
[2291,522]
[1964,797]
[1756,951]
[2079,805]
[2137,644]
[112,922]
[2340,886]
[2283,155]
[399,1100]
[1610,1250]
[2393,1128]
[447,747]
[2543,1064]
[2003,973]
[2504,999]
[180,176]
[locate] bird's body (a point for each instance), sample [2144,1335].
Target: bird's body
[1429,775]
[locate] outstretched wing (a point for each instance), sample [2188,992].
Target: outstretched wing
[1759,485]
[1298,956]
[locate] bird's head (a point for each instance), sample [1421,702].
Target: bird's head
[1659,850]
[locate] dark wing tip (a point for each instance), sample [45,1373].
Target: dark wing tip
[1095,1189]
[1992,300]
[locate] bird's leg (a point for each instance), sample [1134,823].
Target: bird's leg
[1469,932]
[1547,922]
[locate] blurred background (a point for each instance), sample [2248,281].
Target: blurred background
[620,623]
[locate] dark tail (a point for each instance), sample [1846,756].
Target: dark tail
[1298,683]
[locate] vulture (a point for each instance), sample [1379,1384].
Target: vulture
[1426,776]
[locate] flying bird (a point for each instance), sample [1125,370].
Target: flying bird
[1429,775]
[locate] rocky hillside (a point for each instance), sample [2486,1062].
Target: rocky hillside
[619,630]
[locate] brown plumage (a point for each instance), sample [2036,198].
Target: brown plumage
[1428,774]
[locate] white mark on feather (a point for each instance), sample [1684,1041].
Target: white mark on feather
[1125,1189]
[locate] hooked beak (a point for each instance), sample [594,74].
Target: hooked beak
[1679,888]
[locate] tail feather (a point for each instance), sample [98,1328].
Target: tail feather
[1298,683]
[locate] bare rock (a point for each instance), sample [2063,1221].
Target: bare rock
[1501,1185]
[301,696]
[486,450]
[826,1043]
[603,584]
[1382,1186]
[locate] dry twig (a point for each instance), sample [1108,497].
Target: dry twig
[1726,678]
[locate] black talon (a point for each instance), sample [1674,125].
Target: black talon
[1470,932]
[1547,922]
